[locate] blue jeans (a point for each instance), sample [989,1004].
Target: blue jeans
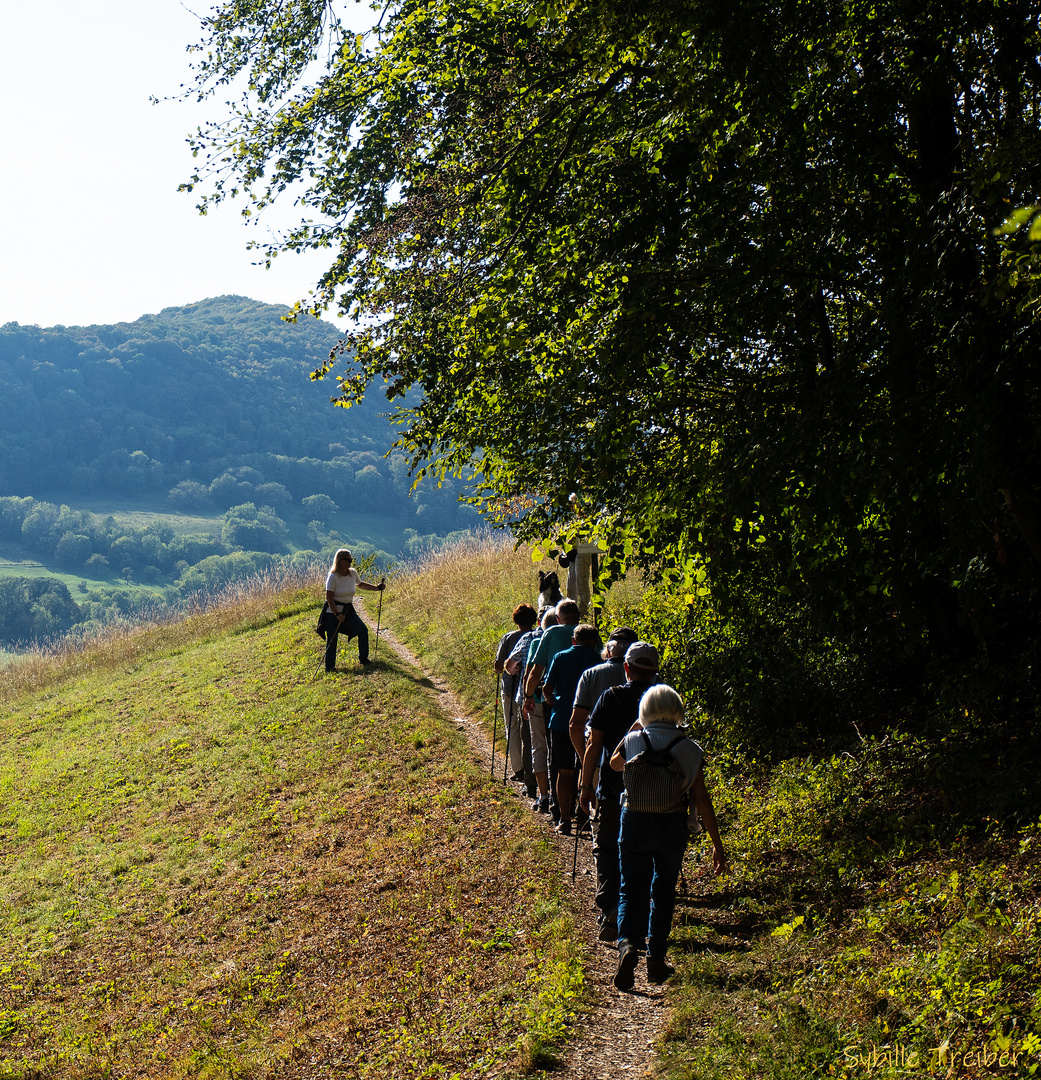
[352,626]
[650,848]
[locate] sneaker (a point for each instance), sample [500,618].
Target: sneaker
[628,958]
[564,828]
[541,805]
[658,971]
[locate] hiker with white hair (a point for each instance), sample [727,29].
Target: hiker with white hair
[663,772]
[612,716]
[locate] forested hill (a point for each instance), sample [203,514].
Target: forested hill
[210,401]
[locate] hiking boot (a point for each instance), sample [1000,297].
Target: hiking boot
[608,928]
[628,958]
[518,776]
[658,970]
[541,805]
[364,663]
[564,828]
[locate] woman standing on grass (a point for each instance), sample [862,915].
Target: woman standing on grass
[663,773]
[338,615]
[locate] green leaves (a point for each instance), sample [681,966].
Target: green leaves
[735,276]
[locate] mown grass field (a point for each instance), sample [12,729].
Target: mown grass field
[213,864]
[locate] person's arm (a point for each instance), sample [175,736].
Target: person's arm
[589,762]
[531,683]
[499,663]
[369,587]
[330,599]
[618,757]
[703,802]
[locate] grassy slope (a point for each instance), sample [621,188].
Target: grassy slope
[213,865]
[212,869]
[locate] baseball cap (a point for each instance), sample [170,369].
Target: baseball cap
[642,655]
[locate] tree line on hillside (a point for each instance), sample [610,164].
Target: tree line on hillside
[209,404]
[114,557]
[757,283]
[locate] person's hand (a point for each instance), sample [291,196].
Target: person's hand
[719,861]
[585,799]
[381,586]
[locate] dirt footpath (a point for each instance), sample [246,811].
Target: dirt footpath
[615,1039]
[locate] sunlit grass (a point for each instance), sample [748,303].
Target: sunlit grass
[214,863]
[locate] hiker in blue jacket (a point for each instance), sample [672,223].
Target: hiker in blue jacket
[663,773]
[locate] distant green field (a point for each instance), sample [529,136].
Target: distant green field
[354,526]
[139,513]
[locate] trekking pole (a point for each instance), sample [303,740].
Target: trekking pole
[495,721]
[379,618]
[509,732]
[574,860]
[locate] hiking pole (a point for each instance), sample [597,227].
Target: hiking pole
[322,653]
[495,721]
[574,860]
[379,617]
[509,732]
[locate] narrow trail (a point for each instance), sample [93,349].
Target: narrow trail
[616,1037]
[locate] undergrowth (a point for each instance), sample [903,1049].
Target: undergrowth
[880,917]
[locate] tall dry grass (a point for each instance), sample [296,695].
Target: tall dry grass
[452,606]
[253,601]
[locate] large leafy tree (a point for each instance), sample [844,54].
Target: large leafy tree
[729,272]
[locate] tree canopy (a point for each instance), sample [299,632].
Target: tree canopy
[734,274]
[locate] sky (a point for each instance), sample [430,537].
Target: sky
[92,226]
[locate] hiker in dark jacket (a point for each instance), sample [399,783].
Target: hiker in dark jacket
[663,771]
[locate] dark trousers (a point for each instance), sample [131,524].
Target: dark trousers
[352,626]
[525,729]
[606,823]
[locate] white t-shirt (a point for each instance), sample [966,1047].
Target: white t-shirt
[343,586]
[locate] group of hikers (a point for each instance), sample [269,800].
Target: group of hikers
[599,743]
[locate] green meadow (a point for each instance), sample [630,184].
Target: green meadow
[214,863]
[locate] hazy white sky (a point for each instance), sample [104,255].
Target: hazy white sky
[92,227]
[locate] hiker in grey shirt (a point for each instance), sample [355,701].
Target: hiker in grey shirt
[663,772]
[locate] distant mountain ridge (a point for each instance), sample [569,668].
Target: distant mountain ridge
[193,389]
[213,395]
